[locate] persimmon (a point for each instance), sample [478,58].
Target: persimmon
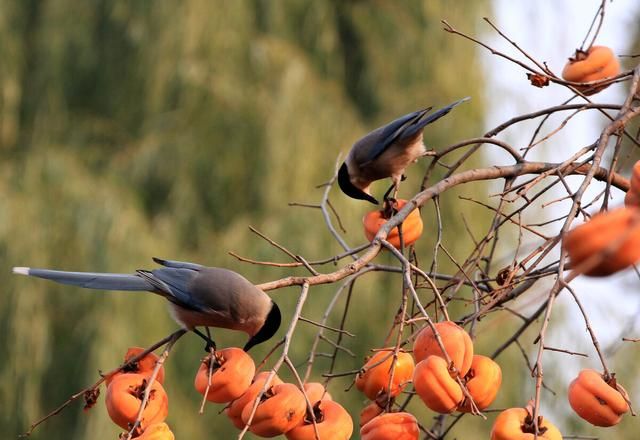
[231,376]
[332,421]
[281,408]
[315,392]
[391,426]
[517,424]
[369,412]
[157,431]
[435,386]
[411,227]
[234,410]
[455,339]
[144,366]
[376,374]
[124,396]
[483,382]
[612,235]
[599,402]
[632,198]
[599,62]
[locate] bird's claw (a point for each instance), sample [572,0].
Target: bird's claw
[210,346]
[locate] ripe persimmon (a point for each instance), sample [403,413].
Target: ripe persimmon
[281,409]
[234,410]
[516,424]
[435,386]
[632,198]
[376,374]
[599,402]
[391,426]
[232,371]
[599,62]
[315,392]
[483,382]
[411,227]
[455,339]
[612,238]
[124,396]
[144,366]
[157,431]
[332,421]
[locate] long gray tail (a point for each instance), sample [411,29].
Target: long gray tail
[440,113]
[89,280]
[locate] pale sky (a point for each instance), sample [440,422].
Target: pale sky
[550,30]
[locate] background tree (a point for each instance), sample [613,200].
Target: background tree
[129,130]
[132,130]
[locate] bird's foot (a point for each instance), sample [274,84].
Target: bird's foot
[393,188]
[210,344]
[389,207]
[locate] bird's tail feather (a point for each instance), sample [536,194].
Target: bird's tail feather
[89,280]
[440,113]
[177,264]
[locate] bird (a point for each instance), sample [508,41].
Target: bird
[198,296]
[386,152]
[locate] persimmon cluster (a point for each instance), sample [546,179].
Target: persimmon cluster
[607,243]
[228,376]
[435,380]
[125,391]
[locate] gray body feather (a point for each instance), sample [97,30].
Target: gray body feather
[387,151]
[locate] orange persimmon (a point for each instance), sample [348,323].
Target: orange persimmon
[391,426]
[632,198]
[280,410]
[234,410]
[369,412]
[376,374]
[124,396]
[455,339]
[599,402]
[599,62]
[411,227]
[614,236]
[231,376]
[144,366]
[435,386]
[332,421]
[516,424]
[483,382]
[315,392]
[157,431]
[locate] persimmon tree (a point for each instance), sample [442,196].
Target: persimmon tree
[424,325]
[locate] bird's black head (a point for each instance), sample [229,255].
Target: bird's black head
[268,329]
[344,181]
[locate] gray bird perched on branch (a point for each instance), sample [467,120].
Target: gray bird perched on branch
[386,152]
[198,296]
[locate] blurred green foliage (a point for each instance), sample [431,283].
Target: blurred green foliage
[138,129]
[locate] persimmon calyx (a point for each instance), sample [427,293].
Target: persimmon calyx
[318,414]
[580,55]
[528,426]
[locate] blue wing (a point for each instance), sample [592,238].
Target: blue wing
[407,127]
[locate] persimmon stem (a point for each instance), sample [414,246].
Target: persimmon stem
[147,391]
